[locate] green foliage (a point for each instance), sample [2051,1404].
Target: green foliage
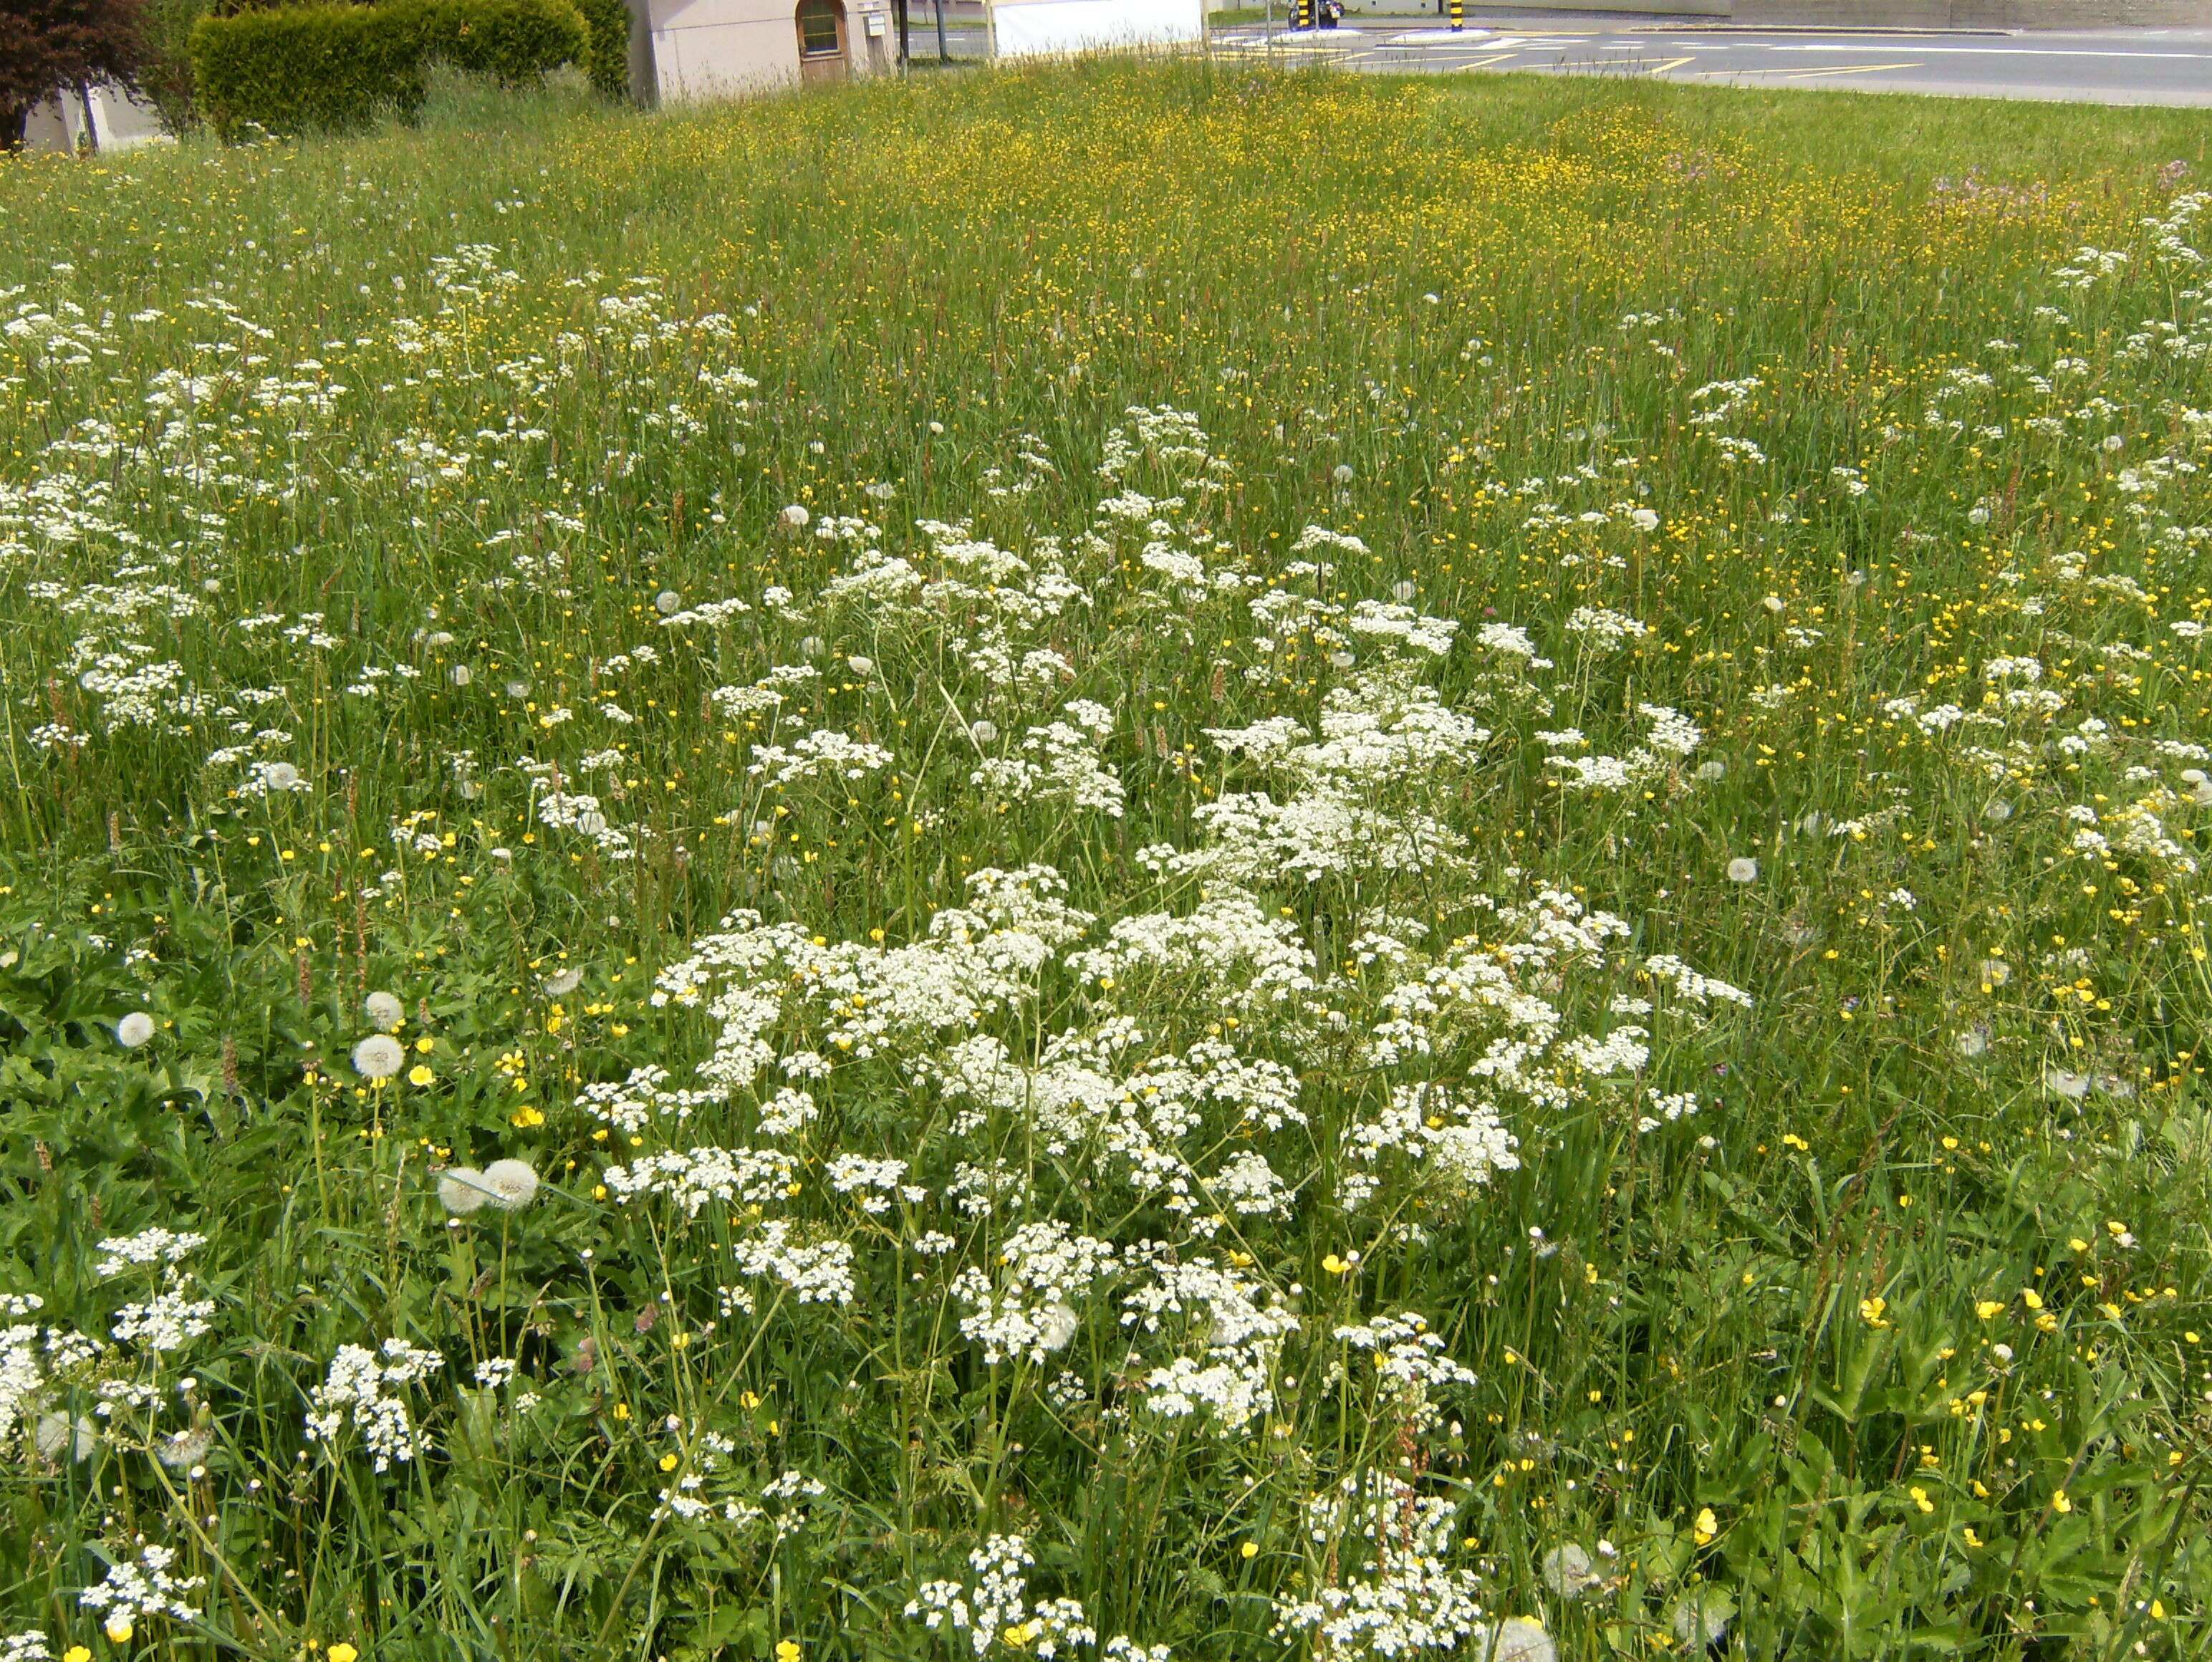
[606,61]
[338,68]
[511,42]
[165,75]
[369,505]
[307,68]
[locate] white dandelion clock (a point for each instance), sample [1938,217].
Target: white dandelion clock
[2066,1083]
[1568,1572]
[182,1450]
[134,1030]
[1057,1328]
[796,517]
[383,1009]
[460,675]
[1516,1639]
[379,1056]
[513,1183]
[668,602]
[1743,869]
[1702,1617]
[57,1436]
[462,1190]
[567,981]
[1644,518]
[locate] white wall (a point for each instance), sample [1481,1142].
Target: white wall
[719,48]
[1032,28]
[119,121]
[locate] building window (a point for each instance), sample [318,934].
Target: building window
[817,29]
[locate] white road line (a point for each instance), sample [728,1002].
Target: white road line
[1997,51]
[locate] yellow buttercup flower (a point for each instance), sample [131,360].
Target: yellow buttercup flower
[419,1074]
[1706,1526]
[342,1652]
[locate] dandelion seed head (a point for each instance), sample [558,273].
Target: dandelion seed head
[513,1183]
[379,1056]
[1516,1639]
[462,1190]
[1567,1571]
[668,602]
[134,1030]
[383,1009]
[1702,1617]
[1743,869]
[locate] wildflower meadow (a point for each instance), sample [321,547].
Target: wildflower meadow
[1124,861]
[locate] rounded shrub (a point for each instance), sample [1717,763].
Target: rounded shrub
[334,67]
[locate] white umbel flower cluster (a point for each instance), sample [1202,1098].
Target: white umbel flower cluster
[365,1386]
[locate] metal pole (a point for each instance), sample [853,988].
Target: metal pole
[943,56]
[903,64]
[1305,14]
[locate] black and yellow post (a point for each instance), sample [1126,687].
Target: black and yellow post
[1305,14]
[1458,15]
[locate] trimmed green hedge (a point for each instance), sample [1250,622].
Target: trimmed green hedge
[328,68]
[307,68]
[607,59]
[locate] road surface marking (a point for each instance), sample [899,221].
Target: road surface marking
[1851,68]
[1998,51]
[1671,64]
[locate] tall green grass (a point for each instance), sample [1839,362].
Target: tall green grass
[439,400]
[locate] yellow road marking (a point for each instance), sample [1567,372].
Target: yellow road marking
[1855,68]
[1671,64]
[1485,63]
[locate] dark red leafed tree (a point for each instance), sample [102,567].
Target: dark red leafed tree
[50,47]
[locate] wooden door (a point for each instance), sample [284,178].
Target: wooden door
[821,43]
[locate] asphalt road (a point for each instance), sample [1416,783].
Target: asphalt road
[2116,66]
